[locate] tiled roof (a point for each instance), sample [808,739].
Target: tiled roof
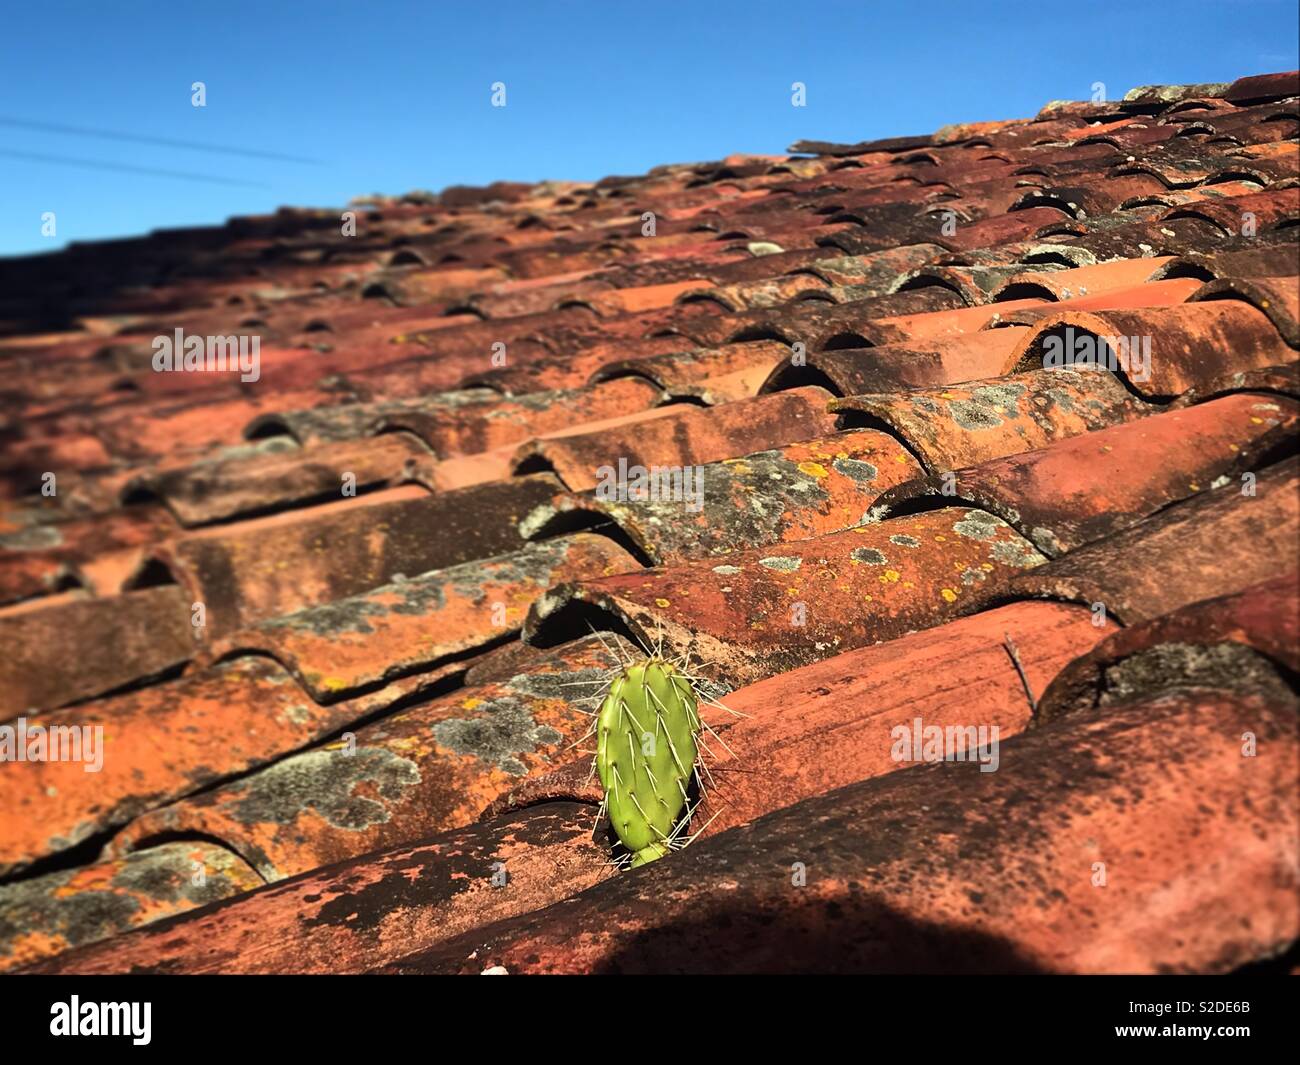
[343,626]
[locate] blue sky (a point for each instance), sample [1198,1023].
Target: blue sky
[386,96]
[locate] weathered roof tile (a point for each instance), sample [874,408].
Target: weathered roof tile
[1087,487]
[769,609]
[431,767]
[893,882]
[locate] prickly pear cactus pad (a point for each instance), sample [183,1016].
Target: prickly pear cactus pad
[646,751]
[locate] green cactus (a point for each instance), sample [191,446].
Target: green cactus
[646,751]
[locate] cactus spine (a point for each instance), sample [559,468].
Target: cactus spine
[646,750]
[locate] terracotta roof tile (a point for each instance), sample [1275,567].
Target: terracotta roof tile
[951,426]
[417,895]
[549,372]
[241,487]
[1270,209]
[462,429]
[1270,380]
[1278,297]
[680,436]
[1088,487]
[426,769]
[1161,97]
[359,641]
[1219,541]
[72,650]
[1263,87]
[769,497]
[1188,345]
[213,723]
[43,553]
[1094,280]
[1212,641]
[1279,260]
[870,583]
[340,550]
[915,896]
[57,912]
[711,375]
[932,361]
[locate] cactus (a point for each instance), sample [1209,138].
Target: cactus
[650,744]
[646,753]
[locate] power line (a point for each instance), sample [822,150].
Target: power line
[194,146]
[100,164]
